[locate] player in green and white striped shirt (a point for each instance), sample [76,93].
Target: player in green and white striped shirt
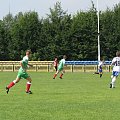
[60,67]
[22,74]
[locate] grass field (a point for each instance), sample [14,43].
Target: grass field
[78,96]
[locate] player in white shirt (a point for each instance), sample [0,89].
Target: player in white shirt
[100,71]
[116,69]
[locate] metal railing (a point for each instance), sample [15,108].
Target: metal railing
[47,66]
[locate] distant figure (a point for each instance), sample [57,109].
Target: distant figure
[61,67]
[22,74]
[116,69]
[55,64]
[100,71]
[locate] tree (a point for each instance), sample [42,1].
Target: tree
[24,33]
[5,37]
[60,33]
[55,33]
[84,29]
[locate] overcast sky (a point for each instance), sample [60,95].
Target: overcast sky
[42,6]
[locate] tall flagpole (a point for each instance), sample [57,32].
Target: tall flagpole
[98,30]
[9,7]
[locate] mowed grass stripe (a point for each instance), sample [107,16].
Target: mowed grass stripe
[78,96]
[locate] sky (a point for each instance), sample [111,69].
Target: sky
[42,6]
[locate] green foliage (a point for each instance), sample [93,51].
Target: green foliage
[60,33]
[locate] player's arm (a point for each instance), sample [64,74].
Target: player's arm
[114,61]
[30,65]
[21,64]
[104,64]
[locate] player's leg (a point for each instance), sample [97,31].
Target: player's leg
[113,77]
[96,72]
[56,74]
[62,73]
[28,85]
[56,68]
[12,84]
[112,84]
[100,72]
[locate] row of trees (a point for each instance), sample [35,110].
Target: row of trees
[60,33]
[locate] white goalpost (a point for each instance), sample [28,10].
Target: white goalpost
[98,30]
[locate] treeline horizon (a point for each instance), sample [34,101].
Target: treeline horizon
[60,33]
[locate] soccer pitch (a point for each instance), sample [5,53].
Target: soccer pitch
[78,96]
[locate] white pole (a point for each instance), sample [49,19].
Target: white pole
[98,31]
[9,7]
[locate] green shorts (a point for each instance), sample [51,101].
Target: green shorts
[22,75]
[60,68]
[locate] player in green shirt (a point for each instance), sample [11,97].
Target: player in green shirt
[60,67]
[22,74]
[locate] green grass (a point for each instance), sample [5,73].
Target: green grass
[78,96]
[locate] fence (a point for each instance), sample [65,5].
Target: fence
[47,66]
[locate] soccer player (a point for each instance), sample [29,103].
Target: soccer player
[60,67]
[22,74]
[100,71]
[116,69]
[55,63]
